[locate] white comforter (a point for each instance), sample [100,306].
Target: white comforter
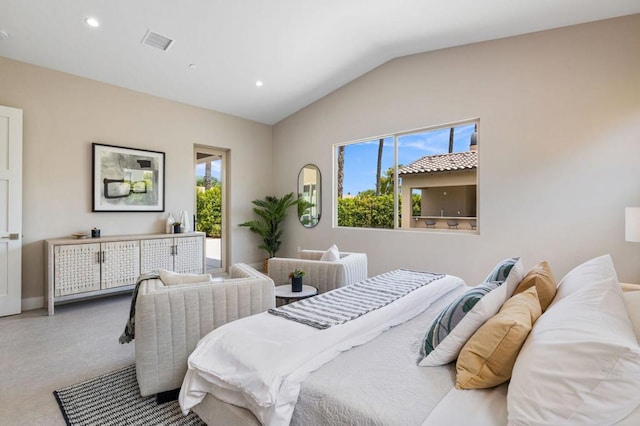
[259,362]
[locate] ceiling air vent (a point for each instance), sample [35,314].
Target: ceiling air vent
[156,40]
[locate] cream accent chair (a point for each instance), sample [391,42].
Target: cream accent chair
[170,320]
[351,268]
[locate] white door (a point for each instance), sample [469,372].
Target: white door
[10,210]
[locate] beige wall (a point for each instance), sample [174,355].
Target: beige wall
[64,114]
[439,194]
[560,158]
[448,201]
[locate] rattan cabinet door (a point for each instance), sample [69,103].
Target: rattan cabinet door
[156,253]
[76,268]
[189,254]
[120,263]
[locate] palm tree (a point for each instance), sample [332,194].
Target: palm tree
[207,175]
[340,169]
[451,140]
[378,171]
[272,211]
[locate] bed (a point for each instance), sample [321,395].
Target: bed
[373,376]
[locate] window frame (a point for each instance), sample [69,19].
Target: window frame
[397,193]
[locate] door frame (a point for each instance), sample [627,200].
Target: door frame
[224,176]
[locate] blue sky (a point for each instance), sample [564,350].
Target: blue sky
[360,159]
[215,169]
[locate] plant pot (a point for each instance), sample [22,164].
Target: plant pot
[176,229]
[296,285]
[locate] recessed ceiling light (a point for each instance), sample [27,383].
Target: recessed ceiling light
[259,83]
[92,22]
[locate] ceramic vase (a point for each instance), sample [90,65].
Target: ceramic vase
[169,226]
[296,284]
[184,219]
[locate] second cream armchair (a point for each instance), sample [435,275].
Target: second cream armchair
[325,275]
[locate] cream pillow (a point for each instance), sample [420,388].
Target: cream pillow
[581,362]
[169,278]
[487,359]
[542,278]
[331,255]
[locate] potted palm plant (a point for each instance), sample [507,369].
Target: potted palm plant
[271,212]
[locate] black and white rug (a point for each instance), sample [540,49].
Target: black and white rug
[114,399]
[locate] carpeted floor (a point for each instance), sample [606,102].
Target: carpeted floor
[114,399]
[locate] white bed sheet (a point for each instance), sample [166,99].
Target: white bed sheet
[260,361]
[378,383]
[477,407]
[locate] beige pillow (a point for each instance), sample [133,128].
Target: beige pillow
[487,359]
[170,278]
[542,278]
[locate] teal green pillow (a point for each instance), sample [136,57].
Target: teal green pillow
[501,270]
[450,316]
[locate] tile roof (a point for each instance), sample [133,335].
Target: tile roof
[442,163]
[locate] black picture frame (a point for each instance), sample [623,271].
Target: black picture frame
[127,179]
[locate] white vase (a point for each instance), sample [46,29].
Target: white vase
[184,220]
[169,225]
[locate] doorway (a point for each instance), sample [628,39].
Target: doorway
[211,195]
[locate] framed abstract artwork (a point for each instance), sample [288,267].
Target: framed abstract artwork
[127,179]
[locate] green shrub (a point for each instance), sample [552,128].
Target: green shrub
[209,214]
[366,210]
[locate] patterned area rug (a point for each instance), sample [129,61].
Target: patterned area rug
[114,399]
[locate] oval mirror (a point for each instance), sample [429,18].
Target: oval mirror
[310,195]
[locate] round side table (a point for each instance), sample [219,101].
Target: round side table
[284,293]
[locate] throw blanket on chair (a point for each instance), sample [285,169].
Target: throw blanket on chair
[129,329]
[350,302]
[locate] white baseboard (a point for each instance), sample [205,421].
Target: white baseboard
[32,303]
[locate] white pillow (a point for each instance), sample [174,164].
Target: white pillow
[331,255]
[169,278]
[632,302]
[596,269]
[581,362]
[448,349]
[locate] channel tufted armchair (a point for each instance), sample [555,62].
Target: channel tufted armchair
[325,275]
[171,319]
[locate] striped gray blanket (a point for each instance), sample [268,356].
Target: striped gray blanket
[350,302]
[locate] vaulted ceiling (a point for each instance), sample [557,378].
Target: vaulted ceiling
[300,50]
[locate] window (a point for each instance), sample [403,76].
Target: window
[436,174]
